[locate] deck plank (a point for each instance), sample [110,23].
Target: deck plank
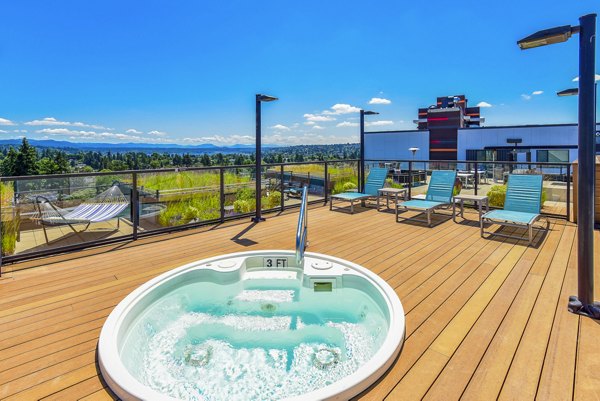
[484,318]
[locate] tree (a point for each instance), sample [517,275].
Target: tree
[9,162]
[26,159]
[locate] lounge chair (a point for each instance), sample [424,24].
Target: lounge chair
[375,181]
[439,194]
[104,206]
[521,207]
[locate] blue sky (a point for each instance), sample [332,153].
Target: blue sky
[187,71]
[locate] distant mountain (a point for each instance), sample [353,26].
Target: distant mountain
[132,147]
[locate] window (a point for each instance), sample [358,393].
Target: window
[553,156]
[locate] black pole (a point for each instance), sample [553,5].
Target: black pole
[134,198]
[586,155]
[258,218]
[361,167]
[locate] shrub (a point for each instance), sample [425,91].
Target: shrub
[496,195]
[390,183]
[273,200]
[191,210]
[348,186]
[243,206]
[457,187]
[83,194]
[10,230]
[244,193]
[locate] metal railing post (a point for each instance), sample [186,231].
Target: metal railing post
[410,165]
[222,192]
[326,182]
[476,177]
[568,192]
[134,206]
[282,186]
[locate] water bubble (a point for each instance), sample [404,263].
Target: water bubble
[326,357]
[198,355]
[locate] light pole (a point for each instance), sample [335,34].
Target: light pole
[583,303]
[414,152]
[258,162]
[361,168]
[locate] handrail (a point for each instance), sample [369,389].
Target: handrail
[302,231]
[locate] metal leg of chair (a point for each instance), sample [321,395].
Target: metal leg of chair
[351,207]
[45,234]
[530,227]
[331,203]
[481,226]
[429,218]
[454,211]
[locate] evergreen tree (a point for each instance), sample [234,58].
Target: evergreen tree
[26,159]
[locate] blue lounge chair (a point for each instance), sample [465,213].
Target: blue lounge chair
[439,194]
[521,207]
[375,181]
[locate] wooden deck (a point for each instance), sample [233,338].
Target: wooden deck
[485,319]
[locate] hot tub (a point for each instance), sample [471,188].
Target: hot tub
[253,326]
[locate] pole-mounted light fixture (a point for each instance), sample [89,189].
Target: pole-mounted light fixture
[568,92]
[583,303]
[548,37]
[258,153]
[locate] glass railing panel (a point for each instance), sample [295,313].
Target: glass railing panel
[240,191]
[343,176]
[297,176]
[177,198]
[39,214]
[271,188]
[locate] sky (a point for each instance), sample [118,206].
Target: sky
[187,71]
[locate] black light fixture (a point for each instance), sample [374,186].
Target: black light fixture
[548,37]
[583,303]
[258,162]
[361,168]
[568,92]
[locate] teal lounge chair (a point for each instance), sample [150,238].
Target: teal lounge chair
[521,207]
[375,181]
[439,194]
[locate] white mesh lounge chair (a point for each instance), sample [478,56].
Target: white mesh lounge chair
[103,207]
[521,207]
[439,194]
[375,181]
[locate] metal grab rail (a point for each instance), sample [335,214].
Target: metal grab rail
[302,231]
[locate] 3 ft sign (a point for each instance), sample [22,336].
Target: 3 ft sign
[275,263]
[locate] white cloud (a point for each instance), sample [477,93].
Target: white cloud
[221,140]
[280,127]
[51,121]
[347,124]
[4,121]
[3,131]
[74,134]
[526,97]
[157,133]
[484,104]
[317,127]
[379,123]
[133,131]
[537,92]
[596,78]
[379,100]
[309,123]
[318,118]
[316,138]
[341,108]
[20,130]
